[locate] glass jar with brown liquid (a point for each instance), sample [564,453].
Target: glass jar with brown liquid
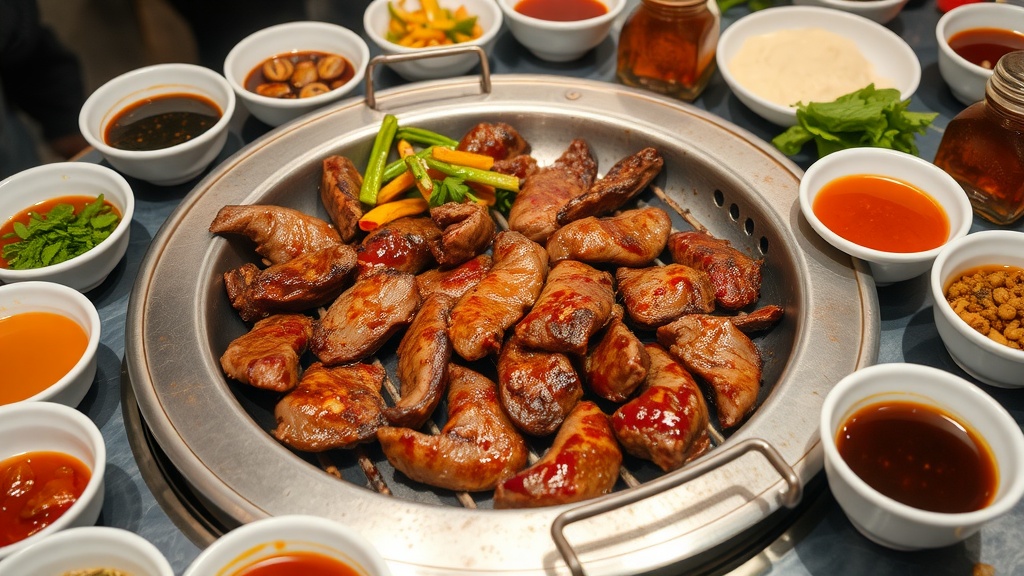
[668,46]
[983,146]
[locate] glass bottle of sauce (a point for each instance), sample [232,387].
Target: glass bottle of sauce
[668,46]
[983,146]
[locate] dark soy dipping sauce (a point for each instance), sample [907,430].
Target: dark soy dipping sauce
[919,456]
[985,46]
[561,10]
[162,122]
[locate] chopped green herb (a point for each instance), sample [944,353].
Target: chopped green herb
[58,235]
[867,117]
[451,189]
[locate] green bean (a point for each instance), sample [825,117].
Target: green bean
[372,177]
[425,137]
[496,179]
[392,170]
[419,172]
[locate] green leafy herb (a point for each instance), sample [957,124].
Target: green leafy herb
[58,235]
[451,189]
[868,117]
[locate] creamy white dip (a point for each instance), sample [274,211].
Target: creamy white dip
[803,65]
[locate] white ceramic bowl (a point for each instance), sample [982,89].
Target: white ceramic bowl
[49,427]
[560,41]
[89,547]
[891,57]
[881,11]
[988,361]
[892,523]
[290,533]
[41,183]
[254,49]
[58,299]
[375,22]
[965,79]
[168,166]
[887,267]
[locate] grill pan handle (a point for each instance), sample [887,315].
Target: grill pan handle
[790,498]
[485,66]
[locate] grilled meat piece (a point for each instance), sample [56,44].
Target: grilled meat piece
[534,212]
[497,140]
[627,178]
[423,356]
[575,303]
[657,295]
[761,319]
[634,238]
[280,233]
[339,193]
[482,315]
[364,317]
[735,276]
[332,408]
[519,166]
[668,422]
[618,363]
[714,349]
[583,462]
[454,281]
[466,230]
[537,389]
[477,448]
[402,244]
[308,281]
[267,356]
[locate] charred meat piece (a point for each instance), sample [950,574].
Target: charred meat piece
[657,295]
[482,315]
[634,238]
[477,448]
[714,349]
[668,422]
[534,212]
[519,166]
[497,140]
[735,276]
[627,178]
[364,317]
[466,230]
[537,389]
[617,364]
[763,318]
[267,356]
[332,408]
[454,281]
[339,193]
[575,303]
[583,462]
[280,233]
[402,245]
[423,356]
[308,281]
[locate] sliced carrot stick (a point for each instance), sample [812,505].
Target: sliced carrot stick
[461,158]
[384,213]
[396,187]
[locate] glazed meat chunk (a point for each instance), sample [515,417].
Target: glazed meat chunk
[736,277]
[332,408]
[497,140]
[454,281]
[267,356]
[657,295]
[575,303]
[308,281]
[466,231]
[633,238]
[477,448]
[714,349]
[618,363]
[537,389]
[280,233]
[501,298]
[667,423]
[627,178]
[583,462]
[402,244]
[339,193]
[359,322]
[534,212]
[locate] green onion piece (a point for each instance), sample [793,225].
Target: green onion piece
[496,179]
[373,175]
[419,172]
[397,167]
[425,137]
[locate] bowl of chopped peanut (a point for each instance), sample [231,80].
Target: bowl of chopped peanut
[978,285]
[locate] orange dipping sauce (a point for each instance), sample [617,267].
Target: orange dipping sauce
[290,563]
[36,488]
[561,10]
[882,213]
[36,350]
